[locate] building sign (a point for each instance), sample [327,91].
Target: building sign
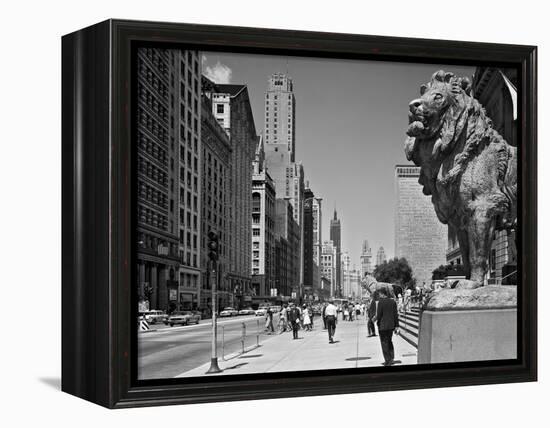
[173,294]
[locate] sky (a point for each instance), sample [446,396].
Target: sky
[351,118]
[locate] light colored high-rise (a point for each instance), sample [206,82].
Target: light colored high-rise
[280,113]
[366,259]
[328,264]
[419,236]
[380,256]
[280,149]
[345,269]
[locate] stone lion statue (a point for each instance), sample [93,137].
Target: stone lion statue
[372,285]
[465,165]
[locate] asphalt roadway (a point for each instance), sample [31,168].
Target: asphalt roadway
[169,351]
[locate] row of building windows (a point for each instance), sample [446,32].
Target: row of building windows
[190,242]
[192,160]
[152,171]
[147,97]
[189,180]
[152,79]
[152,125]
[152,195]
[148,146]
[185,199]
[152,218]
[156,56]
[188,259]
[160,245]
[188,222]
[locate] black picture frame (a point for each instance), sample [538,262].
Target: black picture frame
[98,335]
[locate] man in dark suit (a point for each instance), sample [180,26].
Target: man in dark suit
[371,315]
[388,322]
[294,318]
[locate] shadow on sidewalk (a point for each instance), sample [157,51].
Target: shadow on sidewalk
[236,366]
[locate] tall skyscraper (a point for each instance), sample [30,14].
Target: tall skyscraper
[280,148]
[280,116]
[335,237]
[380,256]
[168,171]
[366,259]
[419,236]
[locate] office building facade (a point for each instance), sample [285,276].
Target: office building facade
[263,229]
[419,236]
[168,130]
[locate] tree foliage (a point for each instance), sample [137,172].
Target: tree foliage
[448,270]
[395,271]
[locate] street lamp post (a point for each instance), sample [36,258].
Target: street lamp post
[213,256]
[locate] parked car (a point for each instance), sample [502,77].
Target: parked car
[247,311]
[229,312]
[260,312]
[184,318]
[154,316]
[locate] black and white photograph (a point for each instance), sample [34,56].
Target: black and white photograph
[295,214]
[240,213]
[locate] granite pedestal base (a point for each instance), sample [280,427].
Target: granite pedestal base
[467,335]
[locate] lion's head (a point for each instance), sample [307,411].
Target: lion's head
[440,114]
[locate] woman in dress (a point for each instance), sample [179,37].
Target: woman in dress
[307,319]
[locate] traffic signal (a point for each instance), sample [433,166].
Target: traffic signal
[213,246]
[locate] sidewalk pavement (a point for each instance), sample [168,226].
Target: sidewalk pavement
[281,353]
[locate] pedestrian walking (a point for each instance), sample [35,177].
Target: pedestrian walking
[323,315]
[371,315]
[331,313]
[294,318]
[306,318]
[407,300]
[388,324]
[269,321]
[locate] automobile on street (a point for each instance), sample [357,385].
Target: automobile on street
[229,312]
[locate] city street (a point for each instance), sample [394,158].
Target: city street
[169,351]
[185,351]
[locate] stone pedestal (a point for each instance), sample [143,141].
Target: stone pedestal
[469,325]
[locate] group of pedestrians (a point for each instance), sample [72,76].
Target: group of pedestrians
[382,311]
[291,318]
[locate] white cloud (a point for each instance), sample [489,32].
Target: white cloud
[218,73]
